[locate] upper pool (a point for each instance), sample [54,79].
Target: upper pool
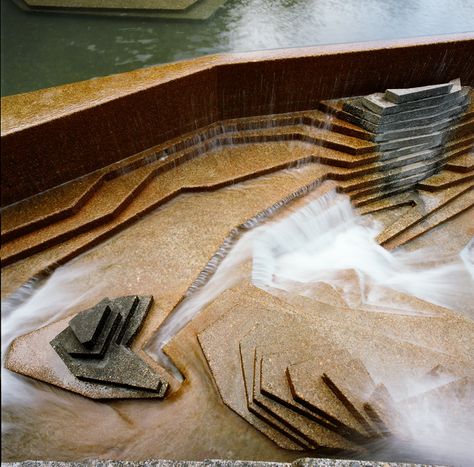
[47,49]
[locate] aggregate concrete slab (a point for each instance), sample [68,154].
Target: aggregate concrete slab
[180,259]
[95,345]
[319,434]
[352,388]
[441,119]
[308,388]
[304,462]
[378,104]
[356,107]
[427,203]
[273,381]
[385,414]
[414,94]
[462,163]
[416,360]
[412,130]
[263,409]
[48,366]
[226,365]
[459,205]
[121,4]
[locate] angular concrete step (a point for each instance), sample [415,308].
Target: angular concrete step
[380,180]
[434,139]
[157,193]
[48,207]
[453,143]
[426,204]
[352,391]
[442,136]
[404,95]
[382,191]
[66,200]
[429,122]
[264,411]
[234,380]
[404,199]
[462,164]
[272,382]
[308,388]
[312,118]
[319,137]
[412,131]
[268,161]
[445,179]
[379,104]
[317,435]
[353,108]
[397,168]
[460,204]
[111,198]
[464,128]
[384,413]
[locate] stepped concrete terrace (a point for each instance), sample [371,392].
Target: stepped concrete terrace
[157,173]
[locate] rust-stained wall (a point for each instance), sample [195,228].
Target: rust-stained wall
[44,145]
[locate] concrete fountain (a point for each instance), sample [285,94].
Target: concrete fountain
[276,206]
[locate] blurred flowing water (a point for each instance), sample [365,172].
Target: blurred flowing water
[314,244]
[318,241]
[327,242]
[47,49]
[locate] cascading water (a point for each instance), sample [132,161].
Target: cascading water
[326,238]
[28,407]
[327,242]
[318,243]
[321,242]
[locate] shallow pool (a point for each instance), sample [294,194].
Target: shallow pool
[47,49]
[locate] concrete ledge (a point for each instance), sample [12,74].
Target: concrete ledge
[307,462]
[55,135]
[125,4]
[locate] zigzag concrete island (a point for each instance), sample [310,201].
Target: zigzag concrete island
[314,363]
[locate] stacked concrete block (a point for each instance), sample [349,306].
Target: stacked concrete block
[95,347]
[410,127]
[279,371]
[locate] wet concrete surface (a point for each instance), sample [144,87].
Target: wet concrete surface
[123,220]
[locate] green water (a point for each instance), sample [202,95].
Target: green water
[47,49]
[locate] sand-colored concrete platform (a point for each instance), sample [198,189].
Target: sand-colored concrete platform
[154,175]
[166,9]
[307,462]
[123,4]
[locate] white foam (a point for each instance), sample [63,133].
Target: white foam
[325,239]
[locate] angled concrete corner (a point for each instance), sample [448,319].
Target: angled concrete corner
[95,346]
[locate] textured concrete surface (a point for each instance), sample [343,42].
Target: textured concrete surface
[166,9]
[220,178]
[136,186]
[125,4]
[414,94]
[48,235]
[306,462]
[393,361]
[95,348]
[150,97]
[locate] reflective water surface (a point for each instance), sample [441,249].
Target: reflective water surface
[47,49]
